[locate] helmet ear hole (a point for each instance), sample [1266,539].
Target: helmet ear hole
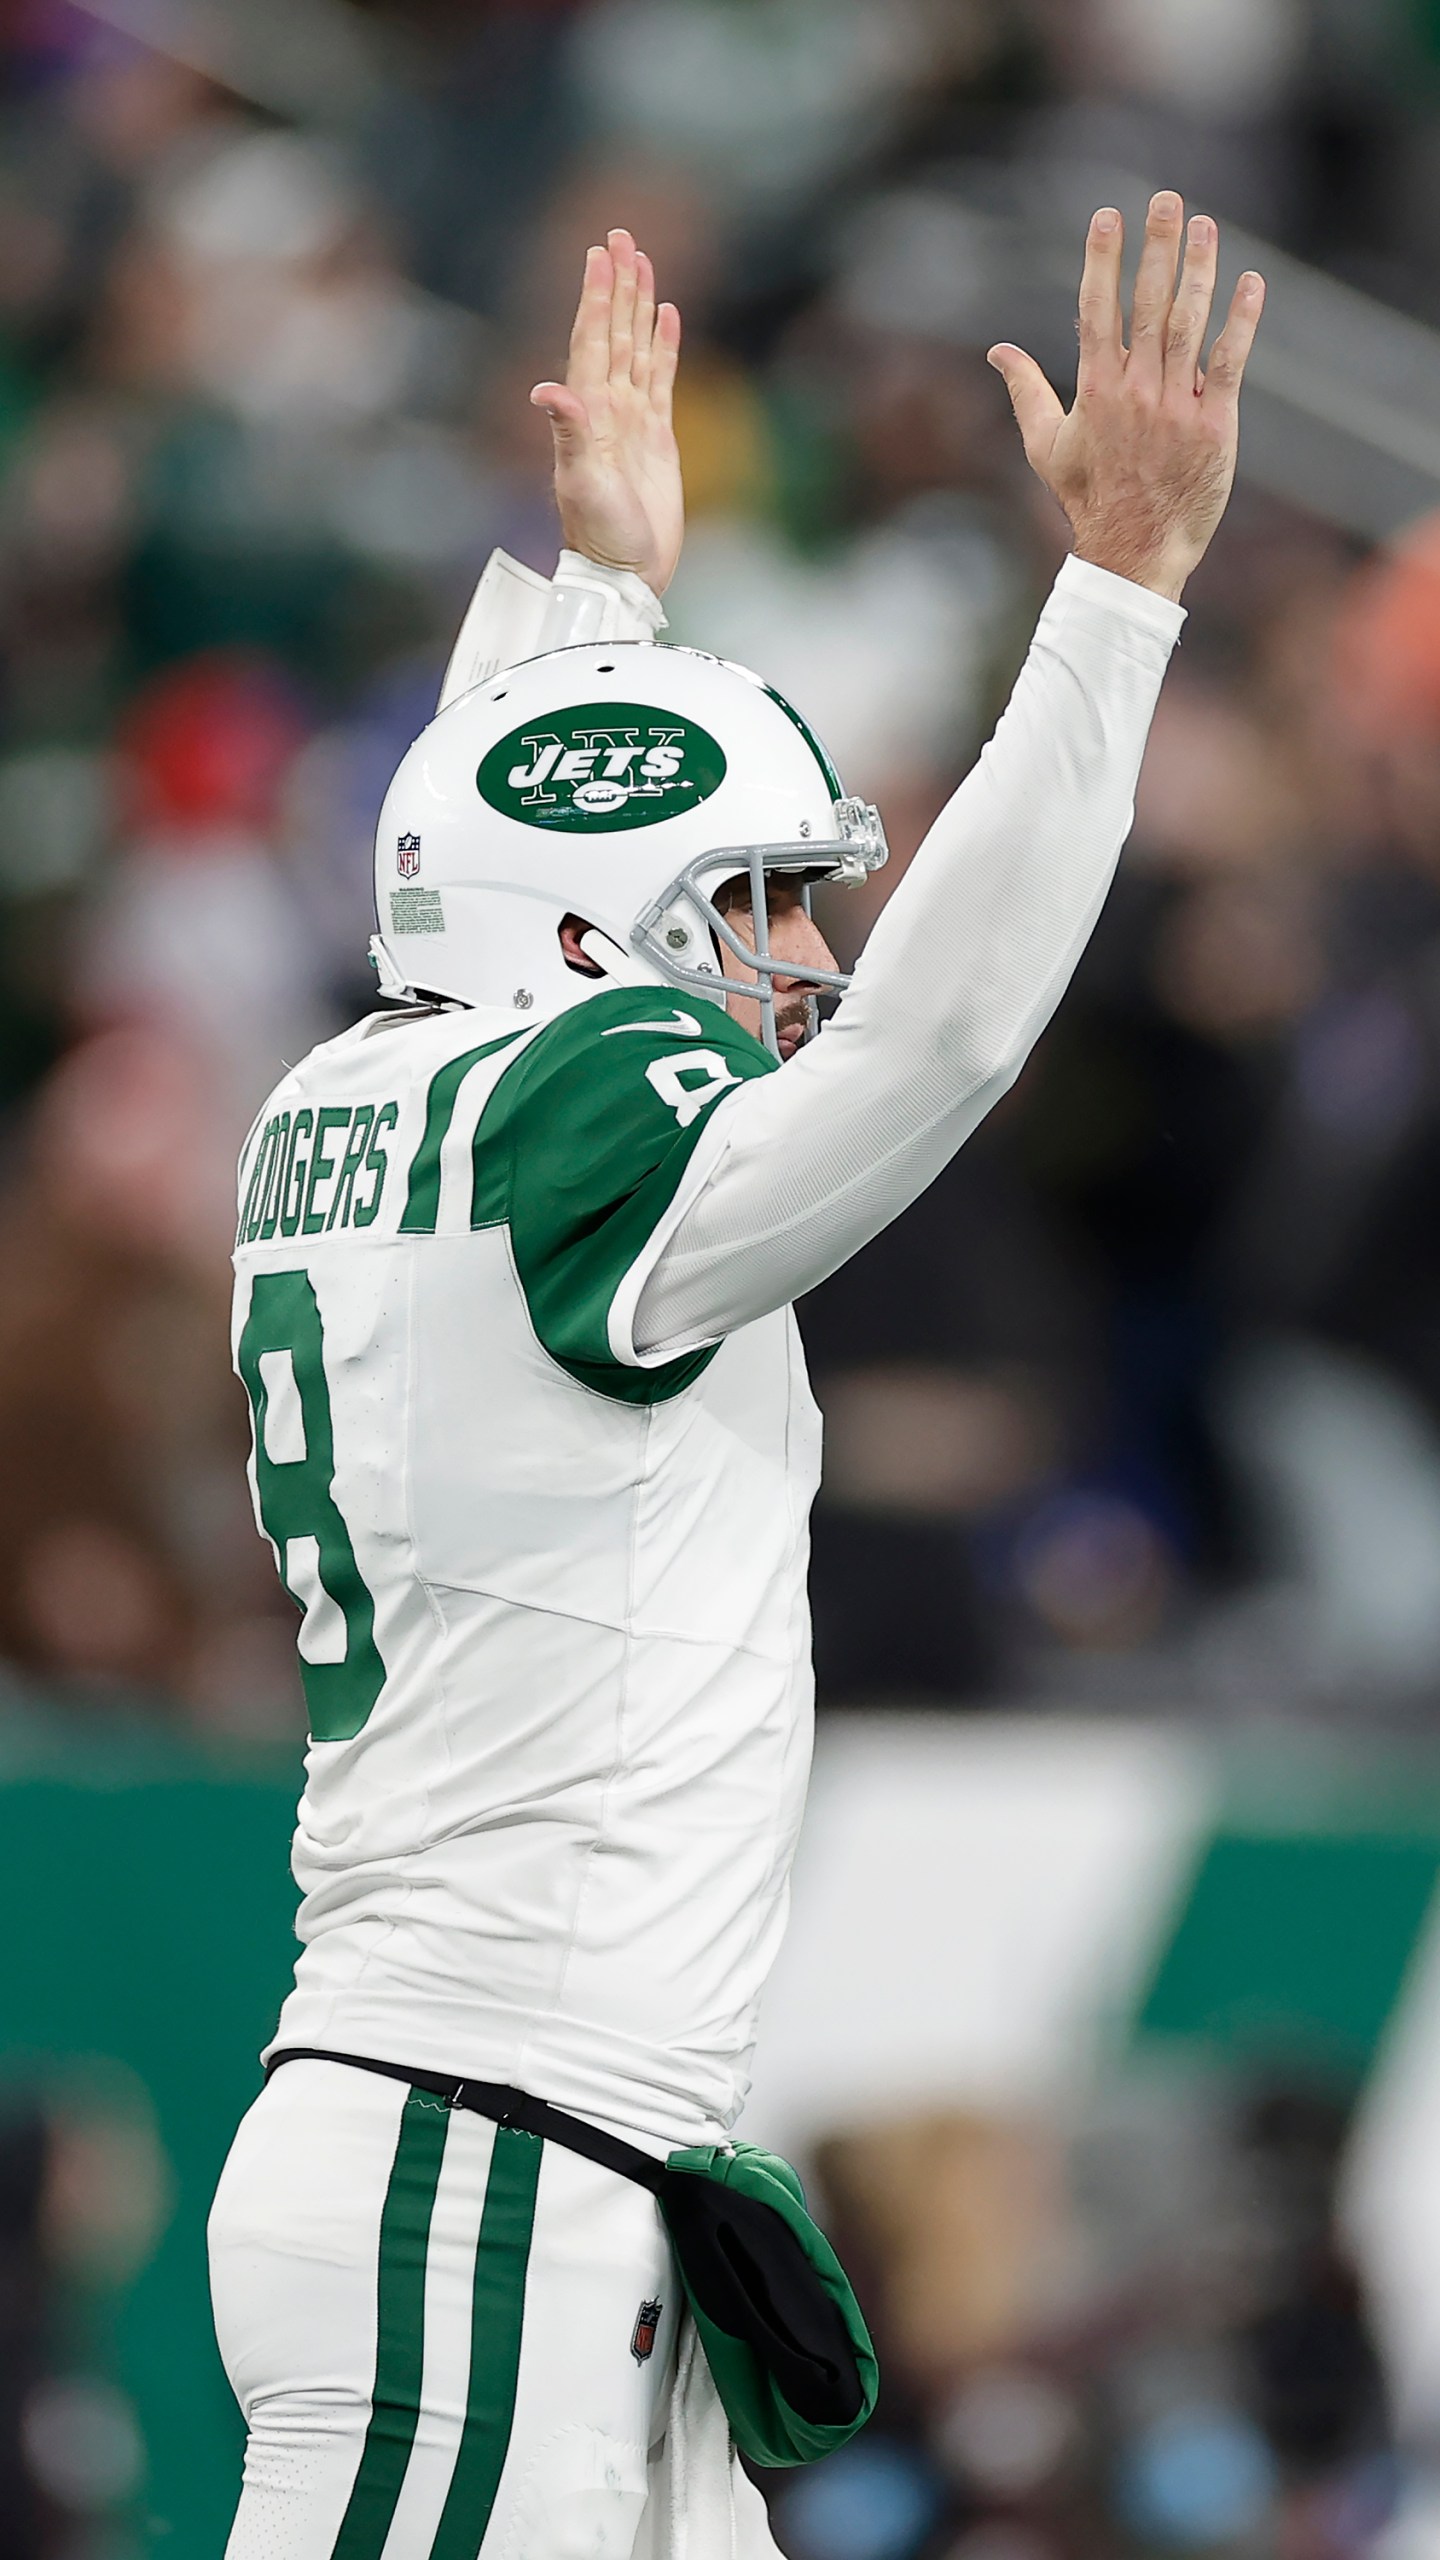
[570,932]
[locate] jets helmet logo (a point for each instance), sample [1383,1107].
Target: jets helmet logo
[642,2336]
[407,857]
[603,766]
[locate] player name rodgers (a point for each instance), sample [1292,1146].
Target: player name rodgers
[315,1170]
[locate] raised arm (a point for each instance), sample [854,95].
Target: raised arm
[976,947]
[617,485]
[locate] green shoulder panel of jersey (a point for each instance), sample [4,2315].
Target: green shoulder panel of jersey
[581,1150]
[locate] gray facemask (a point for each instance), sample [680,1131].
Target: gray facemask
[663,935]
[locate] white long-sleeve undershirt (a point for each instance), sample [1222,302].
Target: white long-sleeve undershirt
[958,979]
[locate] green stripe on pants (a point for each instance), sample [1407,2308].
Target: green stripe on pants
[496,2322]
[400,2329]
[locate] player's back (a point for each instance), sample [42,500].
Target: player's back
[554,1641]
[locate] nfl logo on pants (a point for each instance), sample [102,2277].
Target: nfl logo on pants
[642,2340]
[407,857]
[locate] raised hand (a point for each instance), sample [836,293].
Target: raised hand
[1143,463]
[617,465]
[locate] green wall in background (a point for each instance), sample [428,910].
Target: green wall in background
[1293,1949]
[146,1908]
[1296,1930]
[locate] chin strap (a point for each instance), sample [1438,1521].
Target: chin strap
[391,982]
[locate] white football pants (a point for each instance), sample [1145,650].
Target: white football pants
[436,2330]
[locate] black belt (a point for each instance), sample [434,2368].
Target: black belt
[513,2108]
[786,2332]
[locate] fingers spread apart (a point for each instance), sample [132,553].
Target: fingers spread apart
[1168,319]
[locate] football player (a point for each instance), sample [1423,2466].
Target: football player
[533,1441]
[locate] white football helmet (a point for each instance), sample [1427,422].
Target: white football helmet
[623,783]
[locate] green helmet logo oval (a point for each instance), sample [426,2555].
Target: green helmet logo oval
[600,767]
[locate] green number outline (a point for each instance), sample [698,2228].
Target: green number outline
[297,1499]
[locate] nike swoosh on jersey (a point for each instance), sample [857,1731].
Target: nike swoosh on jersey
[683,1026]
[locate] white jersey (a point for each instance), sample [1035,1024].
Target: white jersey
[555,1641]
[551,1554]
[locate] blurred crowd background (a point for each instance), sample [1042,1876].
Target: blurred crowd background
[1138,1411]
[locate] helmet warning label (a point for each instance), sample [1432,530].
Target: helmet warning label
[416,911]
[600,767]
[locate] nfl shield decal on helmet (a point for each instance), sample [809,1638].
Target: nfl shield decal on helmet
[407,857]
[642,2337]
